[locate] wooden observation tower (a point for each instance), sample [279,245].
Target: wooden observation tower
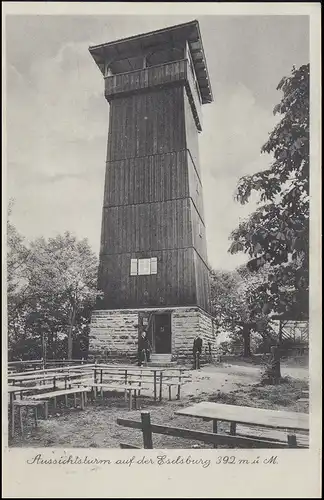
[153,257]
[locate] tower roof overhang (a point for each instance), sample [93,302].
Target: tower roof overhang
[135,45]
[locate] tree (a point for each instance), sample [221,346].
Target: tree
[236,306]
[277,233]
[62,278]
[52,286]
[17,288]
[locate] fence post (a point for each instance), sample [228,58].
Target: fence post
[215,430]
[146,429]
[292,441]
[179,386]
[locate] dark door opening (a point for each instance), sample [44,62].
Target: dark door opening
[162,333]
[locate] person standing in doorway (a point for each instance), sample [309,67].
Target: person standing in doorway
[144,349]
[197,348]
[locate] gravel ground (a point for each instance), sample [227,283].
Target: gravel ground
[96,426]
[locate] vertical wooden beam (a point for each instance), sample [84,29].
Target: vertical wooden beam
[21,421]
[154,385]
[12,419]
[82,400]
[292,440]
[161,387]
[35,415]
[233,428]
[46,410]
[215,430]
[179,385]
[147,430]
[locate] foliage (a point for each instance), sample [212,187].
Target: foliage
[236,305]
[52,285]
[277,233]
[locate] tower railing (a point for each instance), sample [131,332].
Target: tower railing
[172,73]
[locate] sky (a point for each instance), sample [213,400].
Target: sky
[57,116]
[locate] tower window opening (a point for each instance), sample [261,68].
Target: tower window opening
[143,267]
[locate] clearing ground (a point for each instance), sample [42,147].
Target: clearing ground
[96,426]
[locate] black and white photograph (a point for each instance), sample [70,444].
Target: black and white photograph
[157,226]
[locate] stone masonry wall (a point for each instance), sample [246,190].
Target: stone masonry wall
[186,323]
[112,334]
[208,334]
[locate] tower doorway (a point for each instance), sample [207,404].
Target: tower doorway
[161,333]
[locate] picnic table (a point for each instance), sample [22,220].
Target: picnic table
[55,376]
[248,416]
[156,376]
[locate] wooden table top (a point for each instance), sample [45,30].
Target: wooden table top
[17,388]
[247,415]
[44,376]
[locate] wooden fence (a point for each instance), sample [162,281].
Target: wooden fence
[228,441]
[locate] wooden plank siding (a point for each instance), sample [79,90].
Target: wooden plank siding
[191,135]
[163,75]
[147,124]
[202,282]
[148,226]
[195,187]
[152,207]
[147,179]
[173,285]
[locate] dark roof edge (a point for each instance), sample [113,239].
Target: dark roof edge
[144,35]
[205,61]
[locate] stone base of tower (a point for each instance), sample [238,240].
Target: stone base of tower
[114,333]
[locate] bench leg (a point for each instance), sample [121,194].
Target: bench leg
[292,441]
[85,398]
[178,393]
[233,428]
[82,400]
[135,399]
[35,416]
[66,400]
[75,400]
[169,392]
[21,421]
[54,402]
[130,402]
[12,420]
[46,410]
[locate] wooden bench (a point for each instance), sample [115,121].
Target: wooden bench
[81,391]
[126,388]
[27,403]
[153,376]
[141,376]
[148,429]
